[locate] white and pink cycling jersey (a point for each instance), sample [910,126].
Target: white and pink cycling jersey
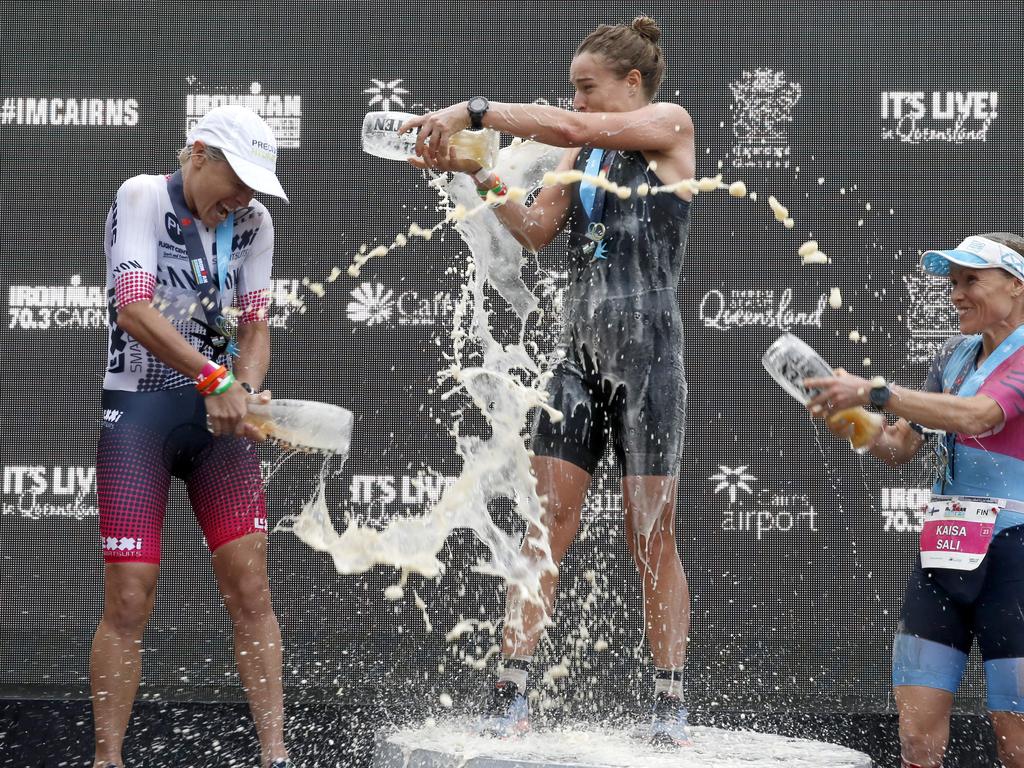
[147,260]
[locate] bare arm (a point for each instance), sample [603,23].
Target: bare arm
[253,353]
[897,443]
[657,127]
[156,333]
[976,415]
[532,226]
[537,225]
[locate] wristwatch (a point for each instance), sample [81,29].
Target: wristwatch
[477,107]
[879,396]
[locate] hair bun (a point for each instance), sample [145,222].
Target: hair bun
[647,28]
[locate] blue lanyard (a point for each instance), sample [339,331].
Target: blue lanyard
[209,295]
[593,200]
[966,383]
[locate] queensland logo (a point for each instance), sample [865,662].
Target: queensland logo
[951,117]
[762,108]
[173,228]
[281,111]
[724,310]
[384,93]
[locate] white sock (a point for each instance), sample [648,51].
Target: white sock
[668,681]
[515,670]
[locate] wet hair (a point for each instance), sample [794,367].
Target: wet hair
[185,154]
[1010,240]
[630,46]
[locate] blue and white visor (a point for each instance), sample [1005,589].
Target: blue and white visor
[977,252]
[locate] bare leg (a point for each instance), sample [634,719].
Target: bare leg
[115,668]
[241,569]
[1009,728]
[924,723]
[650,503]
[565,486]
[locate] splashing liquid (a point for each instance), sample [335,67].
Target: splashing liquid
[505,385]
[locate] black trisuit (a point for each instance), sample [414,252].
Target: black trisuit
[620,370]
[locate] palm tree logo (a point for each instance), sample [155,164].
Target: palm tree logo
[733,480]
[385,93]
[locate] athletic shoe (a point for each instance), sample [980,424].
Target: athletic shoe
[669,726]
[506,712]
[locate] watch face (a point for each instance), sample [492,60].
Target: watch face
[478,104]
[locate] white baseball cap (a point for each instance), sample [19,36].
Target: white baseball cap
[247,142]
[980,252]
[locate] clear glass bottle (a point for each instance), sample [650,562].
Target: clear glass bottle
[380,138]
[789,361]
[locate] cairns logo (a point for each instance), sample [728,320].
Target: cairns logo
[281,111]
[951,117]
[762,108]
[373,304]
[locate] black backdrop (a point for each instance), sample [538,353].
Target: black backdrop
[796,549]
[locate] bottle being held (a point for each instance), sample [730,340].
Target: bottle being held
[789,361]
[380,137]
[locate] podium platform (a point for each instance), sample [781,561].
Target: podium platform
[452,744]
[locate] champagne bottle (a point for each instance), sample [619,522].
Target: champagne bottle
[380,137]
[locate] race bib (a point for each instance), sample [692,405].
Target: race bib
[957,531]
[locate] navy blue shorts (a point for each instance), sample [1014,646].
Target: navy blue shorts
[150,437]
[944,612]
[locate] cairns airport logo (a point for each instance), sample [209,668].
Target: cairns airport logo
[373,304]
[760,512]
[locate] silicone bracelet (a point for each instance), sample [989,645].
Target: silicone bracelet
[499,190]
[225,383]
[205,384]
[210,369]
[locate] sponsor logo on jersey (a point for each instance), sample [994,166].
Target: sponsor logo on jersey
[174,230]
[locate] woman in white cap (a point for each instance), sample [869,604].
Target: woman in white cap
[969,582]
[188,273]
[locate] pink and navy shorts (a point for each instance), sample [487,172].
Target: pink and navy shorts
[150,437]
